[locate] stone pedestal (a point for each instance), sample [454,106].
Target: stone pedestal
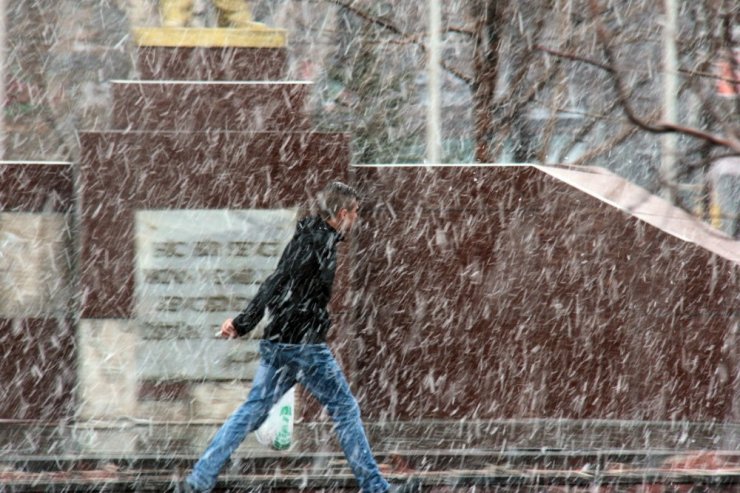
[509,297]
[254,106]
[211,54]
[205,149]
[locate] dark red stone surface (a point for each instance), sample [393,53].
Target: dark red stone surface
[37,369]
[500,293]
[168,390]
[183,106]
[37,355]
[475,293]
[35,187]
[468,293]
[203,63]
[122,172]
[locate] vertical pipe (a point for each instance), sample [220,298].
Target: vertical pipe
[670,94]
[434,136]
[3,63]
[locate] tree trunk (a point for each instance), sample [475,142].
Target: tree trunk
[489,15]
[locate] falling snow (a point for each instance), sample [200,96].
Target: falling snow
[551,304]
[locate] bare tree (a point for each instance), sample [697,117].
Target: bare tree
[554,81]
[579,81]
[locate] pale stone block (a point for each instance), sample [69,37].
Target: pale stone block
[251,445]
[34,264]
[197,359]
[163,410]
[217,400]
[201,436]
[107,369]
[190,279]
[103,441]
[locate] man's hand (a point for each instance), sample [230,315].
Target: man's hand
[228,330]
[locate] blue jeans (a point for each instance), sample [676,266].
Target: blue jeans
[281,367]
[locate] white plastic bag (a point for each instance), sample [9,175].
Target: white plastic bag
[277,430]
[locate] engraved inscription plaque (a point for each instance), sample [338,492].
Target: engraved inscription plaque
[194,269]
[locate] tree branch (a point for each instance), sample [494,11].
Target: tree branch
[460,30]
[626,132]
[659,128]
[506,123]
[368,17]
[453,71]
[619,87]
[589,61]
[707,75]
[583,131]
[574,57]
[406,38]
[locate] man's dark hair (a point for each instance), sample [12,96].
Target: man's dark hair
[334,197]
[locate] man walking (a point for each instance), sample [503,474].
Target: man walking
[293,349]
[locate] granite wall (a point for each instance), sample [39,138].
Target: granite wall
[503,292]
[37,342]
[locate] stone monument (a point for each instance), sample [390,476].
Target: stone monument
[185,205]
[514,305]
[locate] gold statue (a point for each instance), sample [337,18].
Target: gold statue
[231,13]
[236,26]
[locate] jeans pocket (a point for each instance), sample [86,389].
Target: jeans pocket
[267,351]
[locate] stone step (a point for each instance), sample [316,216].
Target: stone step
[507,438]
[315,464]
[456,482]
[202,105]
[329,472]
[210,53]
[207,63]
[265,461]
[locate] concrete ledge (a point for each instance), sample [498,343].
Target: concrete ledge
[535,436]
[442,456]
[318,472]
[519,458]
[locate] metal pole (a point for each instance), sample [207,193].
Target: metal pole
[434,135]
[670,94]
[3,62]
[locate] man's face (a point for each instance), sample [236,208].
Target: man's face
[348,218]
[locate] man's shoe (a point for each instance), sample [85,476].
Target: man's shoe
[410,486]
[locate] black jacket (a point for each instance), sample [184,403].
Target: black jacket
[297,293]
